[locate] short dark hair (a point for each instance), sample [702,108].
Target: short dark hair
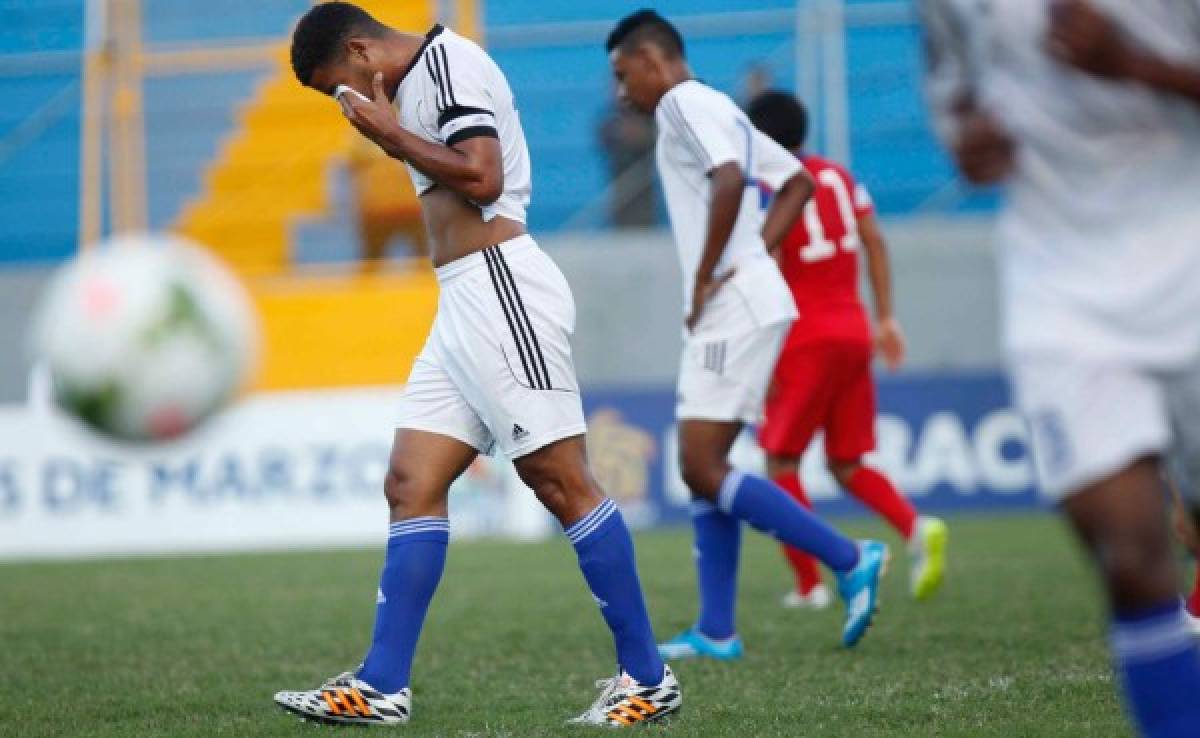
[646,25]
[781,116]
[321,35]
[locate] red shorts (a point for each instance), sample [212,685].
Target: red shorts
[821,386]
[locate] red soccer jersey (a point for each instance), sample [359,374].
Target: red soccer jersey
[820,258]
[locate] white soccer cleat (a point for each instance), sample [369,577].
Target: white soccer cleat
[623,701]
[348,700]
[818,598]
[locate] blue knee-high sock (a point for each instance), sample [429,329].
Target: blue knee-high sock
[718,544]
[1160,668]
[412,568]
[767,508]
[605,553]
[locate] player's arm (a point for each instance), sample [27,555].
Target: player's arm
[981,148]
[707,131]
[1083,37]
[786,206]
[727,184]
[472,167]
[888,336]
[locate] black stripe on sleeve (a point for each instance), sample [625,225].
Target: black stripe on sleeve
[446,75]
[537,349]
[459,111]
[472,132]
[508,313]
[435,75]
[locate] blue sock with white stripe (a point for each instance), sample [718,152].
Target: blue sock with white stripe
[718,543]
[606,558]
[1160,668]
[412,568]
[767,508]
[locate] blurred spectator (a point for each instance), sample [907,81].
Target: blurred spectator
[628,140]
[756,79]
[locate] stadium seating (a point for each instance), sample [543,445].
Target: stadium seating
[217,143]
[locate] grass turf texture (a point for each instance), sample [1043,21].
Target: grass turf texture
[1012,646]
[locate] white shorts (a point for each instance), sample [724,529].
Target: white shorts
[1089,420]
[726,378]
[497,367]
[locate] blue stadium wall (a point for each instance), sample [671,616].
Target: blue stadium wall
[563,93]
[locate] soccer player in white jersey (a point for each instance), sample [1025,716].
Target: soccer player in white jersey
[737,312]
[496,369]
[1090,114]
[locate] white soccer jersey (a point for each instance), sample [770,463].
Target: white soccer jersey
[453,91]
[699,129]
[1100,237]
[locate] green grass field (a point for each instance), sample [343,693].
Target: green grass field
[1013,646]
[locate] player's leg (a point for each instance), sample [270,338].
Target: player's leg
[926,536]
[421,468]
[704,447]
[849,435]
[512,314]
[876,491]
[797,405]
[704,450]
[1098,431]
[722,385]
[559,475]
[808,590]
[1122,522]
[644,688]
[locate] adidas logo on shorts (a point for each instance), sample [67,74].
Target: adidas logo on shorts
[519,433]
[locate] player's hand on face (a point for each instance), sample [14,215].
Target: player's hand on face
[1083,37]
[375,118]
[889,342]
[705,288]
[984,151]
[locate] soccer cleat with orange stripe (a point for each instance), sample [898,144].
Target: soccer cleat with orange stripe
[347,700]
[624,701]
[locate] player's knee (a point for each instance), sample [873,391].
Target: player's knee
[410,495]
[564,489]
[778,466]
[701,474]
[1137,568]
[843,470]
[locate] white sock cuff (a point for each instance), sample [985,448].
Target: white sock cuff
[729,489]
[1151,640]
[427,524]
[584,527]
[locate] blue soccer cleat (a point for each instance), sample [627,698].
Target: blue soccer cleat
[859,589]
[692,644]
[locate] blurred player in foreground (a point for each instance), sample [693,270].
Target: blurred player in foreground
[1091,114]
[496,369]
[823,378]
[737,312]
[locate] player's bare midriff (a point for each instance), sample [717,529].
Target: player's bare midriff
[456,227]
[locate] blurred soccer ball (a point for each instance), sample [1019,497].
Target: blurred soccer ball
[144,337]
